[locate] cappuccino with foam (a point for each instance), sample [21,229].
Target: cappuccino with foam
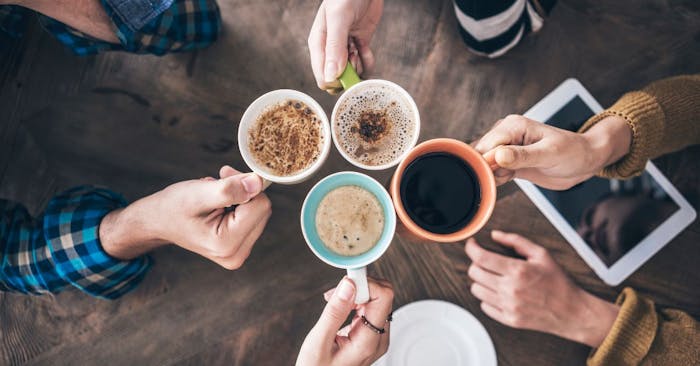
[349,220]
[286,138]
[375,125]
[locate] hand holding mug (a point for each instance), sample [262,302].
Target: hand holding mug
[357,343]
[351,218]
[194,215]
[270,132]
[341,26]
[518,147]
[443,191]
[534,293]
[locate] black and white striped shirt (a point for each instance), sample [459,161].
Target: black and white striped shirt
[492,27]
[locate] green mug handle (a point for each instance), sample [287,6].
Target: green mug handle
[349,77]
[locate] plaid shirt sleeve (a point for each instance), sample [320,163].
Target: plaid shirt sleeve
[13,20]
[142,26]
[184,26]
[62,247]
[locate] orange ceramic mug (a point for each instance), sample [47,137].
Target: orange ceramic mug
[484,177]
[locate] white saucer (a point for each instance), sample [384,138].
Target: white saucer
[436,333]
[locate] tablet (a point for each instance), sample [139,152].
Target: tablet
[614,225]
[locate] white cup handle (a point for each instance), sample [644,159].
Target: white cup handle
[359,276]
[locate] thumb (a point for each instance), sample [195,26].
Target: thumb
[514,157]
[232,190]
[227,171]
[339,306]
[338,29]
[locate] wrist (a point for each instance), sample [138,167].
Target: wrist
[36,5]
[124,235]
[609,140]
[593,319]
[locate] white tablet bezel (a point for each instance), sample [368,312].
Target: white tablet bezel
[651,244]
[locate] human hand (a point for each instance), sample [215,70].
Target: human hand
[534,293]
[355,344]
[342,27]
[518,147]
[193,215]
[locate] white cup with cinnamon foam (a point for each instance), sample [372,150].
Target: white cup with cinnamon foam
[284,137]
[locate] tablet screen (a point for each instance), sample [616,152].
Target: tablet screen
[611,216]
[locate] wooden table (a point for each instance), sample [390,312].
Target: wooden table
[138,123]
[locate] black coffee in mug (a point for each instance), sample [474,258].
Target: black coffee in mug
[440,192]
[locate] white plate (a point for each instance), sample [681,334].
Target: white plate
[436,333]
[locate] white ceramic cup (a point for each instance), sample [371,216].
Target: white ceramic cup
[357,88]
[257,108]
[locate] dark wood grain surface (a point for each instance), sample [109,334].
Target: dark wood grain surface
[138,123]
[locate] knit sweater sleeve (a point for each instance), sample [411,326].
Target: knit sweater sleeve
[644,335]
[663,118]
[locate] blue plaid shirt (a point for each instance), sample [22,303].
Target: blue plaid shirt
[142,26]
[62,248]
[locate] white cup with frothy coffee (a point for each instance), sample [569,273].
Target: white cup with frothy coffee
[374,124]
[284,136]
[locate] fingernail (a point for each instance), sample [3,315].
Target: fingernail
[345,290]
[496,232]
[328,293]
[252,183]
[490,157]
[331,71]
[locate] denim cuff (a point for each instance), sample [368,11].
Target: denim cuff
[137,13]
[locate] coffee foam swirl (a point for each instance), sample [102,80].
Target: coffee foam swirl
[374,125]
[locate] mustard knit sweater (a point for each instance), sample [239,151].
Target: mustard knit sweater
[664,117]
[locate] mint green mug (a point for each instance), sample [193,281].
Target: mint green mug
[356,266]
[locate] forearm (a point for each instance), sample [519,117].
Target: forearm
[679,99]
[25,264]
[594,319]
[124,235]
[643,334]
[661,118]
[609,140]
[63,248]
[87,16]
